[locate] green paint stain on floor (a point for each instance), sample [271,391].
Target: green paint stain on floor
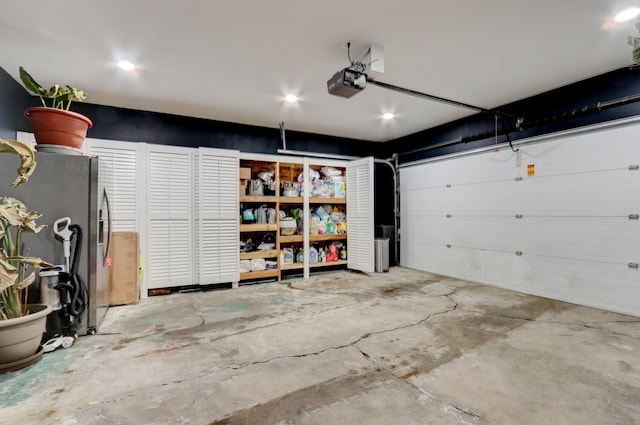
[280,299]
[17,386]
[231,306]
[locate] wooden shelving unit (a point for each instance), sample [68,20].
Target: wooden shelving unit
[286,173]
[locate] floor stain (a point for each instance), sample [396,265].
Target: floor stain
[459,332]
[624,366]
[284,409]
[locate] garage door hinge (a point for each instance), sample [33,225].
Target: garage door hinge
[519,253]
[633,216]
[633,266]
[448,186]
[448,215]
[448,246]
[518,178]
[635,167]
[518,215]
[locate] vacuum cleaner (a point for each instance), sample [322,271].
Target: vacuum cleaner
[63,289]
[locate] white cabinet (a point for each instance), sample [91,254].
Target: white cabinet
[118,174]
[218,251]
[360,208]
[170,212]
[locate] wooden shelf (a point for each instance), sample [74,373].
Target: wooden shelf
[318,238]
[329,264]
[258,199]
[259,275]
[291,239]
[327,200]
[258,227]
[291,200]
[258,254]
[300,266]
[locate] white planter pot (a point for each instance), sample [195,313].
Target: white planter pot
[20,337]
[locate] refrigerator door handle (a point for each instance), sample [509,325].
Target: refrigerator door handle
[105,253]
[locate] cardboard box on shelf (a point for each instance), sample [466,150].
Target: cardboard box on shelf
[245,173]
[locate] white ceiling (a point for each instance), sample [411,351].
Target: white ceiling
[234,60]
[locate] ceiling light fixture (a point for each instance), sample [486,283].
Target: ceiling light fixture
[627,14]
[126,66]
[291,98]
[388,116]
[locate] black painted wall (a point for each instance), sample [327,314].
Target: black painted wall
[548,112]
[571,106]
[13,102]
[165,129]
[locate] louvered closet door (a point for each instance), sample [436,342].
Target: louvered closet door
[169,216]
[117,174]
[218,216]
[360,215]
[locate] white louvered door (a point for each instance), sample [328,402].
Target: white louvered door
[118,175]
[170,211]
[218,227]
[360,215]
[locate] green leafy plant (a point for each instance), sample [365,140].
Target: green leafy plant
[15,220]
[61,97]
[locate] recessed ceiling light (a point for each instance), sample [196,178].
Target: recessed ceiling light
[126,66]
[627,14]
[388,116]
[291,98]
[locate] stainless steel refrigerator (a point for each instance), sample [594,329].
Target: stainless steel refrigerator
[68,186]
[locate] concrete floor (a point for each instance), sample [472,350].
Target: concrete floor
[403,347]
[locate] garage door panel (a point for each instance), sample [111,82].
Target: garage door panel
[579,238]
[608,286]
[607,193]
[585,151]
[597,239]
[611,193]
[495,166]
[565,230]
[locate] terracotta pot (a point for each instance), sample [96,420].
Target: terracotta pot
[20,337]
[53,126]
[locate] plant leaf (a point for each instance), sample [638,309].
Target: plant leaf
[8,273]
[26,281]
[31,84]
[77,94]
[27,159]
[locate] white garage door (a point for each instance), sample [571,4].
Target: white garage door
[557,219]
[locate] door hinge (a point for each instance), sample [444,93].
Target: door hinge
[518,178]
[448,215]
[518,215]
[633,266]
[448,245]
[448,186]
[519,253]
[634,167]
[633,216]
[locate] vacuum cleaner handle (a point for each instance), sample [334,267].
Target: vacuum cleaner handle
[61,229]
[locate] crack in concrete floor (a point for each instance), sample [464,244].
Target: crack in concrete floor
[463,324]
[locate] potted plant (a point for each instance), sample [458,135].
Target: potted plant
[21,324]
[53,123]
